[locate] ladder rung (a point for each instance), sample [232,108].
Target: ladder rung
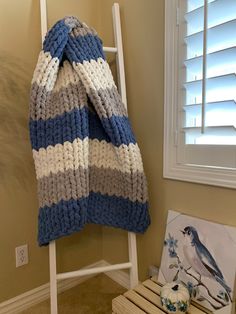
[110,49]
[95,270]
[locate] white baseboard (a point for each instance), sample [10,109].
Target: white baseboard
[39,294]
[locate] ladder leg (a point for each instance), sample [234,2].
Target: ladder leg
[133,259]
[122,88]
[53,278]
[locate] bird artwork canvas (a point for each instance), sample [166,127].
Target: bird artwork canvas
[202,255]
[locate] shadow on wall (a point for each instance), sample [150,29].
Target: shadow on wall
[15,154]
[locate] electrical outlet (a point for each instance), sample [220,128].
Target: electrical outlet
[22,255]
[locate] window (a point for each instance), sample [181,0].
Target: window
[200,91]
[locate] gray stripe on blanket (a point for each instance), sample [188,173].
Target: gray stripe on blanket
[47,105]
[114,182]
[82,31]
[107,102]
[71,184]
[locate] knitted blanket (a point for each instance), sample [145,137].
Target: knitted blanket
[88,164]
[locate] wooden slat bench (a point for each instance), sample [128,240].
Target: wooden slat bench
[143,299]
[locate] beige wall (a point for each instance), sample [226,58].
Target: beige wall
[19,48]
[143,36]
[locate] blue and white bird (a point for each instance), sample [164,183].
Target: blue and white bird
[200,259]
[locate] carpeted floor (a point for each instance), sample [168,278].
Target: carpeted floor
[94,296]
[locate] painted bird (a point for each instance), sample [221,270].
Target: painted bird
[200,259]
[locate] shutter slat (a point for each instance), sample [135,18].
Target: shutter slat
[226,52]
[218,63]
[219,37]
[217,88]
[216,114]
[223,103]
[221,135]
[196,4]
[213,129]
[219,11]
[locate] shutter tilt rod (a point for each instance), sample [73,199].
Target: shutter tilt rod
[204,66]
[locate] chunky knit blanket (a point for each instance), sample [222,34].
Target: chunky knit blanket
[88,164]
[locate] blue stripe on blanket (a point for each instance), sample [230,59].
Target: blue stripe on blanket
[76,49]
[65,127]
[118,212]
[61,219]
[70,216]
[56,40]
[119,130]
[80,123]
[84,48]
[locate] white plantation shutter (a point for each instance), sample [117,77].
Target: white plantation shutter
[200,128]
[213,120]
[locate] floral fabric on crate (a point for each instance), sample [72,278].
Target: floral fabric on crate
[88,164]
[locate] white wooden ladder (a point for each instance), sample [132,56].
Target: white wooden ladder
[132,263]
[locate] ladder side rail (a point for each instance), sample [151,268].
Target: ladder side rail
[52,244]
[120,55]
[132,246]
[43,17]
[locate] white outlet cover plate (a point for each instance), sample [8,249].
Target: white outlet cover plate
[21,255]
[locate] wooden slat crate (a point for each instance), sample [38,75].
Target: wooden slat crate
[143,299]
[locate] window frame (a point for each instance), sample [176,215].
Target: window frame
[211,175]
